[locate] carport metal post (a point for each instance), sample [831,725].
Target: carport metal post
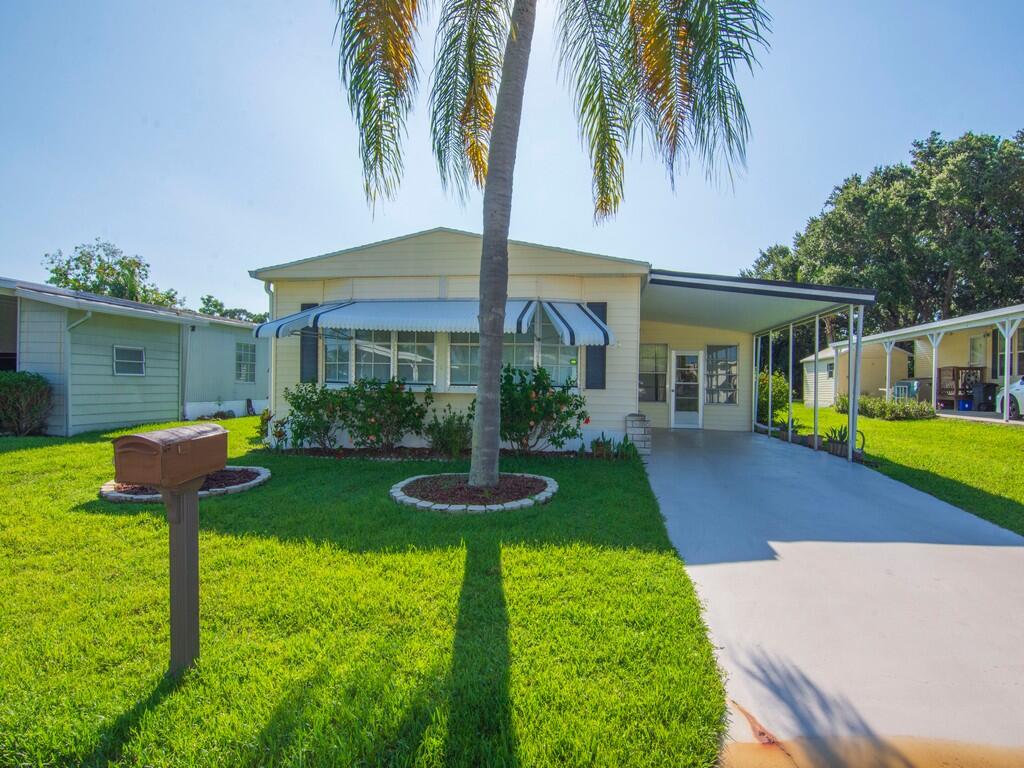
[770,377]
[789,389]
[1007,328]
[816,342]
[855,409]
[757,366]
[851,437]
[936,339]
[888,368]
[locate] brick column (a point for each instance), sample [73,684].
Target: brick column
[638,428]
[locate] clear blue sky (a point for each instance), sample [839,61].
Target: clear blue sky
[211,138]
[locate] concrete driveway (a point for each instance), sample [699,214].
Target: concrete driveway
[858,621]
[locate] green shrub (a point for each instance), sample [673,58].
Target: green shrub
[25,402]
[780,396]
[264,427]
[378,414]
[314,417]
[889,410]
[535,413]
[451,433]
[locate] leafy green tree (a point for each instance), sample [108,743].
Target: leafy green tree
[938,237]
[210,305]
[659,70]
[101,267]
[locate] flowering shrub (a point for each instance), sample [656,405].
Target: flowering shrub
[536,413]
[378,414]
[451,433]
[314,417]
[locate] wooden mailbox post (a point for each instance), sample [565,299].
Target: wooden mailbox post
[176,461]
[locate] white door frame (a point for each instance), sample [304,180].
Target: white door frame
[672,388]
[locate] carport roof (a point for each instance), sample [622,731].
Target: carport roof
[740,303]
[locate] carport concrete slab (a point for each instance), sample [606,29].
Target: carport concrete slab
[844,604]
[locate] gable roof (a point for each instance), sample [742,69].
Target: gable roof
[94,302]
[262,273]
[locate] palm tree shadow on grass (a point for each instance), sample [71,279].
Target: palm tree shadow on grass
[472,695]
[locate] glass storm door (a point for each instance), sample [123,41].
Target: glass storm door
[686,390]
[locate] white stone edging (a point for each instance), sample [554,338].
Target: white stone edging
[543,497]
[108,492]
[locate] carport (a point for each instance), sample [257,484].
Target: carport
[765,309]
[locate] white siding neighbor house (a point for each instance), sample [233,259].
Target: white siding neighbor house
[114,363]
[676,348]
[833,366]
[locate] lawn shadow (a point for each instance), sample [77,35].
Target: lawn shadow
[831,730]
[112,740]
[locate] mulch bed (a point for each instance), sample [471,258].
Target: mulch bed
[455,489]
[224,478]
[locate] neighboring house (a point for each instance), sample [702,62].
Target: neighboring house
[676,347]
[833,366]
[113,363]
[963,360]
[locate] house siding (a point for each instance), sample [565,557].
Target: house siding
[210,374]
[718,416]
[607,407]
[872,374]
[101,400]
[41,338]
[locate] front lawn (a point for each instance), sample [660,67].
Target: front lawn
[341,629]
[973,465]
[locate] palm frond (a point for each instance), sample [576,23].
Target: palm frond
[376,59]
[685,55]
[593,55]
[471,39]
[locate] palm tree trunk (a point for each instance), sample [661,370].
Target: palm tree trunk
[501,162]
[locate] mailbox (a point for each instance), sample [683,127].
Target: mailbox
[167,458]
[176,461]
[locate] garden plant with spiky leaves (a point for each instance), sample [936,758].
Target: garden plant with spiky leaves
[661,72]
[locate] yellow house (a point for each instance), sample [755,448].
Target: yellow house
[670,348]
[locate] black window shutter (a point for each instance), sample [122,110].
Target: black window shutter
[309,365]
[596,356]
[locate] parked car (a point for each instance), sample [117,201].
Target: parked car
[1016,398]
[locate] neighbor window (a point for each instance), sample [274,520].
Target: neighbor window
[337,354]
[721,374]
[830,370]
[464,359]
[561,361]
[976,355]
[1016,343]
[245,362]
[416,357]
[129,361]
[653,371]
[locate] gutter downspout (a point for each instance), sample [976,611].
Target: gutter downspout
[67,370]
[271,374]
[186,360]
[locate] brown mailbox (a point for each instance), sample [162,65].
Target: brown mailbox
[167,458]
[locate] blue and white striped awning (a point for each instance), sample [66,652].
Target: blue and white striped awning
[576,324]
[451,315]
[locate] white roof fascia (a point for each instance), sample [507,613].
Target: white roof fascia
[97,305]
[950,325]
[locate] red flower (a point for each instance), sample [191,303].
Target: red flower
[586,420]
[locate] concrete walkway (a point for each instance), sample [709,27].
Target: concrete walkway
[847,608]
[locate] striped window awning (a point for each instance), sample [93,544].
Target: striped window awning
[576,324]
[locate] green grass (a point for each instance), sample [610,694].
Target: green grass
[341,629]
[973,465]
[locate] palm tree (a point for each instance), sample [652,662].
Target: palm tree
[661,72]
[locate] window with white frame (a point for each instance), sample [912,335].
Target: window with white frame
[830,370]
[976,351]
[373,355]
[721,374]
[245,362]
[653,373]
[464,359]
[129,361]
[1016,343]
[560,360]
[517,351]
[337,353]
[415,356]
